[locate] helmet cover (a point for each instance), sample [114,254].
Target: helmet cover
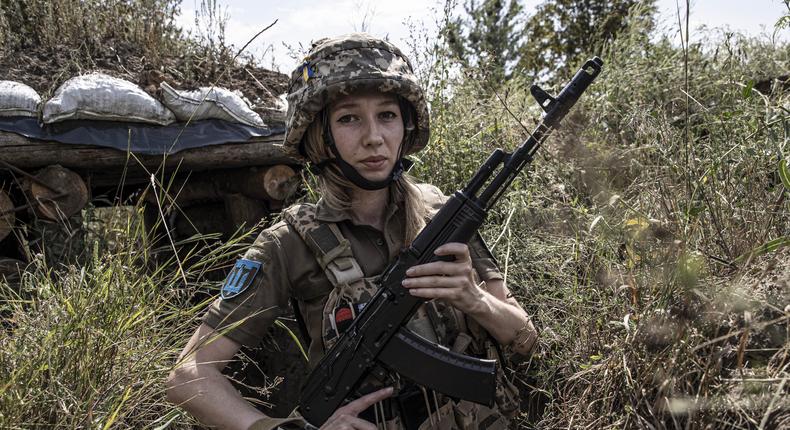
[340,66]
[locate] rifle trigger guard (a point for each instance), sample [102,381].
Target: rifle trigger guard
[542,97]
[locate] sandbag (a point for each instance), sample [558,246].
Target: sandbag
[101,97]
[282,102]
[209,103]
[18,99]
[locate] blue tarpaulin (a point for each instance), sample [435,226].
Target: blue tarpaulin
[137,137]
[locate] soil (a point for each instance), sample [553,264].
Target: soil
[46,70]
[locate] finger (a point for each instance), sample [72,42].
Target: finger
[459,250]
[344,422]
[433,282]
[435,293]
[366,401]
[360,424]
[444,268]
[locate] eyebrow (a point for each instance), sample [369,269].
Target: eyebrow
[351,104]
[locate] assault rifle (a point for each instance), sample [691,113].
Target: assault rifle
[378,336]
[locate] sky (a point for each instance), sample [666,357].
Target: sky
[300,21]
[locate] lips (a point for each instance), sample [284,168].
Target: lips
[375,162]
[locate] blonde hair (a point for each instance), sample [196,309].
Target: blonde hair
[336,189]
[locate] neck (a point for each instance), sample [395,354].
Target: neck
[369,206]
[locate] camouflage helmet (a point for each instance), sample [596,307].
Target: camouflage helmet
[339,66]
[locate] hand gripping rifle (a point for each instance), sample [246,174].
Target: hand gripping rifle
[378,336]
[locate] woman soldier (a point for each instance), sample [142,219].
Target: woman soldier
[355,110]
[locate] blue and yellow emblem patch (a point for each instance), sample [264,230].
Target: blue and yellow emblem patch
[308,70]
[240,278]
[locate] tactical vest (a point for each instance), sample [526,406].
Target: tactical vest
[435,320]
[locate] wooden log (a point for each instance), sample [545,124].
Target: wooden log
[280,181]
[271,183]
[29,153]
[7,215]
[59,192]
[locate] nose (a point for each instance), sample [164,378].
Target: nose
[374,133]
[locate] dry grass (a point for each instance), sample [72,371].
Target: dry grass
[648,242]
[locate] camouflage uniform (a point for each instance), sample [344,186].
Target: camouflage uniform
[311,256]
[289,268]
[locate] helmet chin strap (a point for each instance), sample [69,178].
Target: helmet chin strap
[401,166]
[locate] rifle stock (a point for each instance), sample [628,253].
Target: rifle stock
[377,335]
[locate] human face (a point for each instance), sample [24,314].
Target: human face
[368,131]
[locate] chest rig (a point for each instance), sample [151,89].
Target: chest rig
[435,320]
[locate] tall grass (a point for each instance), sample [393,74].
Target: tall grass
[653,260]
[43,43]
[89,345]
[91,27]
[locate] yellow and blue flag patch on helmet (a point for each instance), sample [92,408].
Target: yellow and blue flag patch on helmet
[240,278]
[307,70]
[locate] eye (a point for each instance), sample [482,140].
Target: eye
[345,119]
[388,115]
